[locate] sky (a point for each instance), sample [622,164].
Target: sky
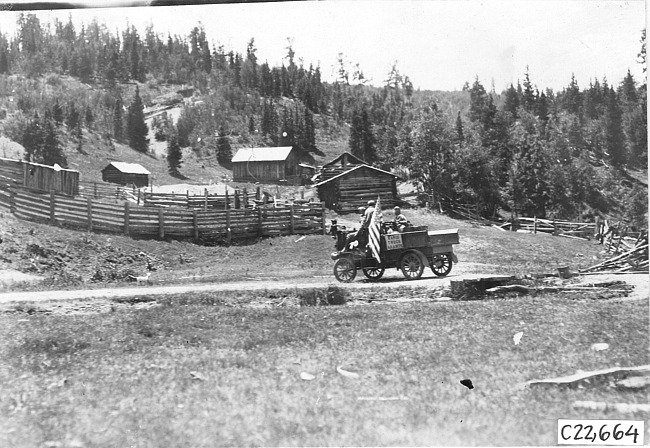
[440,45]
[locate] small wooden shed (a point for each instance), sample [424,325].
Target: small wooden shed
[265,165]
[40,177]
[123,173]
[348,191]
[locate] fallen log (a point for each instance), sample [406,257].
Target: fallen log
[525,290]
[611,374]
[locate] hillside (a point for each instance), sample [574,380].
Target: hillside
[527,150]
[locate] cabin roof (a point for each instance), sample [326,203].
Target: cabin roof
[129,168]
[354,169]
[349,155]
[276,154]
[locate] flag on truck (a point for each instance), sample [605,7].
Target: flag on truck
[373,230]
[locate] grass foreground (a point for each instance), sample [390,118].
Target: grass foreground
[215,374]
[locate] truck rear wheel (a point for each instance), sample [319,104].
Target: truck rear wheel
[441,265]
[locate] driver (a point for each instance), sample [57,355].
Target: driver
[360,235]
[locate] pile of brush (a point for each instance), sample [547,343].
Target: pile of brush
[634,259]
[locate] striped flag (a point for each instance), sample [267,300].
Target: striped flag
[373,230]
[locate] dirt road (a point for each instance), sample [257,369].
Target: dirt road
[392,280]
[433,283]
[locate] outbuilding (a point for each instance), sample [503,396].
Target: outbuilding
[278,164]
[123,173]
[353,188]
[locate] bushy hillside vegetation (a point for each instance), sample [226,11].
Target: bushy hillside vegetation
[526,150]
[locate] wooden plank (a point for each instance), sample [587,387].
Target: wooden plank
[126,217]
[161,223]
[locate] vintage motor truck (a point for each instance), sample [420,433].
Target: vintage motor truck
[409,251]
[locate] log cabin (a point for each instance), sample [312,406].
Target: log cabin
[351,189]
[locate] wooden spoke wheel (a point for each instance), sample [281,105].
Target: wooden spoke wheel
[344,270]
[373,273]
[411,265]
[441,265]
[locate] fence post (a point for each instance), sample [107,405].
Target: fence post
[139,191]
[323,218]
[535,225]
[291,220]
[258,194]
[245,198]
[161,223]
[12,201]
[89,209]
[227,200]
[259,220]
[95,189]
[205,204]
[228,231]
[52,207]
[195,222]
[236,198]
[127,212]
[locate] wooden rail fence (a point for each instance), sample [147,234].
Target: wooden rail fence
[232,199]
[163,222]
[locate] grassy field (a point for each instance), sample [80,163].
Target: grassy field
[182,374]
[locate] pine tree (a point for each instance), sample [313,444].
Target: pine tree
[118,120]
[528,94]
[73,117]
[57,113]
[32,140]
[528,183]
[511,101]
[136,127]
[52,150]
[224,151]
[614,137]
[460,135]
[572,100]
[4,62]
[355,141]
[174,153]
[628,89]
[90,118]
[542,108]
[478,100]
[310,131]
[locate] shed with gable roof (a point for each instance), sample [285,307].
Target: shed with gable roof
[123,173]
[278,164]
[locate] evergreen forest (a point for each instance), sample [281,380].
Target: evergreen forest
[526,150]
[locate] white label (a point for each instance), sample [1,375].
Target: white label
[394,241]
[600,432]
